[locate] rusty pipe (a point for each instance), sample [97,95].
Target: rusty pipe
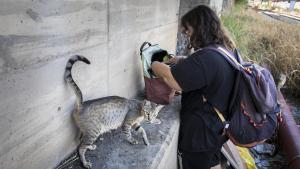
[289,135]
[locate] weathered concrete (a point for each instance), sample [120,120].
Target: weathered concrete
[36,39]
[114,152]
[34,32]
[282,17]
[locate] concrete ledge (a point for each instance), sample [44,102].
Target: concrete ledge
[114,152]
[282,17]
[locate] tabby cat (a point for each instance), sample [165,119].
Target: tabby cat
[95,117]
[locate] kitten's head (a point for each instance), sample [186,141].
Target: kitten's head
[150,110]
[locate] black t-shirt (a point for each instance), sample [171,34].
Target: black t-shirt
[204,73]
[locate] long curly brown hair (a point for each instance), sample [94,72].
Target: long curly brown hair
[207,28]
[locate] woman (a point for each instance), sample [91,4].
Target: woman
[206,81]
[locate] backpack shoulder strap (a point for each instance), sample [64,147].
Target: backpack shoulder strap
[229,56]
[235,63]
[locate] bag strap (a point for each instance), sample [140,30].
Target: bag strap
[221,117]
[228,56]
[143,46]
[234,63]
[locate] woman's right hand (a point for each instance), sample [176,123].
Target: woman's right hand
[174,59]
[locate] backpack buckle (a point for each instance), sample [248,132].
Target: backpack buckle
[226,126]
[279,117]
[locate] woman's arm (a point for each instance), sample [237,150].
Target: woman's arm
[175,59]
[163,71]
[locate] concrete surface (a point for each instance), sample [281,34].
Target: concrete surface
[36,39]
[282,17]
[114,152]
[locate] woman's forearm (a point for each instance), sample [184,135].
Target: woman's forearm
[163,71]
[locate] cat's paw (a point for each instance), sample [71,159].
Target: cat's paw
[133,141]
[146,142]
[92,147]
[155,121]
[87,165]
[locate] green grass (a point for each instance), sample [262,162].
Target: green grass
[240,5]
[267,42]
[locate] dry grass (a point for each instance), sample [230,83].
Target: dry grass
[267,41]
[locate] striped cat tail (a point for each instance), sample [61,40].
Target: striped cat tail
[69,79]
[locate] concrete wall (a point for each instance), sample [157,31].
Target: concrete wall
[36,39]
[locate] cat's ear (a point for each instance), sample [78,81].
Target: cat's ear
[146,103]
[159,107]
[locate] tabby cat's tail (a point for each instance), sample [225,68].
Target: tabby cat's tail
[69,79]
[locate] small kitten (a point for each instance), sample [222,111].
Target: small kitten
[95,117]
[281,81]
